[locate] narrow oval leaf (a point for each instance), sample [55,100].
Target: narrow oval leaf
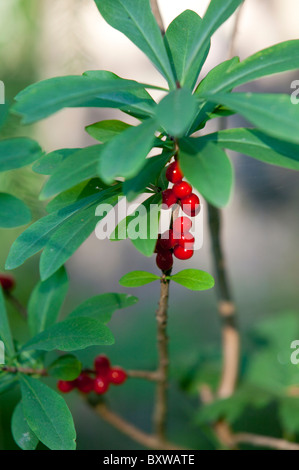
[46,300]
[138,278]
[274,114]
[176,112]
[179,40]
[19,152]
[22,433]
[258,145]
[5,332]
[194,279]
[125,155]
[48,163]
[104,131]
[103,306]
[71,335]
[137,22]
[47,415]
[79,166]
[13,212]
[208,169]
[65,368]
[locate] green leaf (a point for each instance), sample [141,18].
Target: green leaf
[125,155]
[74,194]
[176,112]
[103,306]
[217,13]
[48,164]
[5,333]
[47,415]
[46,300]
[65,368]
[142,227]
[71,335]
[32,240]
[7,382]
[208,169]
[13,211]
[179,40]
[78,167]
[138,278]
[289,414]
[274,59]
[258,145]
[194,279]
[22,433]
[148,174]
[104,131]
[73,232]
[19,152]
[45,98]
[137,22]
[274,114]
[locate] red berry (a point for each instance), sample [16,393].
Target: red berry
[182,253]
[166,242]
[7,282]
[182,189]
[181,225]
[186,241]
[101,385]
[168,198]
[174,173]
[84,383]
[102,365]
[191,205]
[164,260]
[65,387]
[117,376]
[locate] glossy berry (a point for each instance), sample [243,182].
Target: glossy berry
[182,253]
[174,173]
[186,241]
[166,242]
[191,205]
[181,225]
[164,260]
[102,365]
[7,282]
[169,198]
[101,385]
[84,383]
[182,189]
[65,387]
[117,376]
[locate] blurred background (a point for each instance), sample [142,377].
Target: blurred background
[40,39]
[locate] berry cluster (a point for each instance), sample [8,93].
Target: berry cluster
[7,282]
[97,380]
[177,241]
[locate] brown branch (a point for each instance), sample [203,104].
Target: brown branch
[160,412]
[24,370]
[144,374]
[264,441]
[227,310]
[16,304]
[157,15]
[146,440]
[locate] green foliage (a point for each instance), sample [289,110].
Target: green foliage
[65,368]
[193,279]
[47,415]
[5,333]
[13,211]
[19,152]
[104,131]
[22,434]
[138,278]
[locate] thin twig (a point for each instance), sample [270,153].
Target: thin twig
[146,440]
[264,441]
[24,370]
[144,374]
[158,16]
[16,304]
[160,412]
